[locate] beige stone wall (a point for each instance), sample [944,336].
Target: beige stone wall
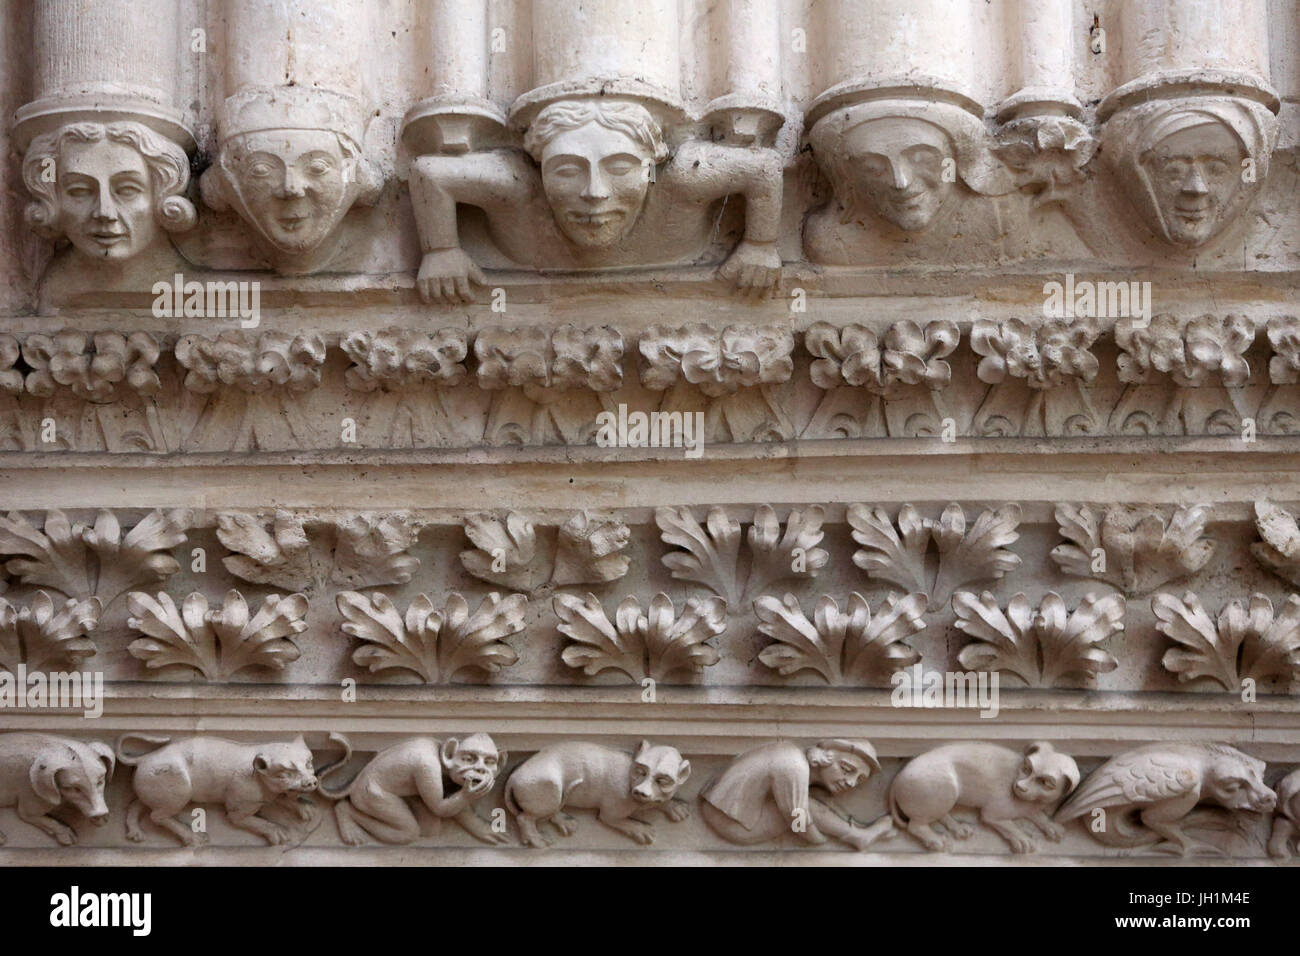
[337,338]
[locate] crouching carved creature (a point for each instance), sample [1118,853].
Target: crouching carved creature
[623,789]
[244,778]
[41,772]
[407,790]
[1148,795]
[1003,785]
[1286,825]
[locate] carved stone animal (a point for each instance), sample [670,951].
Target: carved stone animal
[244,778]
[1003,785]
[1286,825]
[1148,793]
[623,789]
[39,772]
[417,776]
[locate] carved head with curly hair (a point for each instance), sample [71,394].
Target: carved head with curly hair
[107,187]
[597,158]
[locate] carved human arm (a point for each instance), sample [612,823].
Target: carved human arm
[491,180]
[707,171]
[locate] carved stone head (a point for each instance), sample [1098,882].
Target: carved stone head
[657,772]
[1190,164]
[839,766]
[292,166]
[902,159]
[596,158]
[107,187]
[286,768]
[473,763]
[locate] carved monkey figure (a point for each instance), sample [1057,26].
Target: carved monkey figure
[623,789]
[1003,785]
[437,781]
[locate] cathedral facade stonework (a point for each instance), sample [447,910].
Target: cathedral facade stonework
[649,431]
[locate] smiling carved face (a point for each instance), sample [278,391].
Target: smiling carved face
[105,198]
[1195,175]
[596,181]
[898,164]
[294,184]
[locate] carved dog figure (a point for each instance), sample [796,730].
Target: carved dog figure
[1150,793]
[1287,822]
[623,789]
[1000,783]
[244,778]
[39,772]
[379,800]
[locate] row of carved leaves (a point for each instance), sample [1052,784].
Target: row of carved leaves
[1132,549]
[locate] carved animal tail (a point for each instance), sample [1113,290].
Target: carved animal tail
[333,768]
[899,820]
[131,760]
[1123,831]
[508,797]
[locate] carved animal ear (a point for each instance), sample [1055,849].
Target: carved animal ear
[1071,777]
[42,779]
[261,764]
[1033,748]
[684,772]
[299,741]
[502,757]
[105,753]
[449,748]
[645,745]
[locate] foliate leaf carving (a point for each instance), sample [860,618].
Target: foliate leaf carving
[1043,355]
[98,560]
[359,550]
[1046,153]
[1284,337]
[1135,549]
[252,362]
[505,548]
[589,550]
[1279,551]
[654,644]
[718,363]
[46,636]
[216,642]
[98,368]
[1189,352]
[534,357]
[899,552]
[11,379]
[436,645]
[1245,642]
[852,647]
[1043,646]
[853,355]
[400,358]
[710,555]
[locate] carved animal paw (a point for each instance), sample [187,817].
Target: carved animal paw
[352,835]
[1021,844]
[277,835]
[1054,831]
[961,830]
[565,823]
[754,268]
[1279,848]
[677,811]
[939,844]
[134,834]
[64,834]
[195,839]
[642,833]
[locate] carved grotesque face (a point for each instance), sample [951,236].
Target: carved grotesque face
[105,198]
[473,763]
[657,772]
[897,164]
[1045,776]
[1195,174]
[1239,785]
[295,184]
[837,771]
[596,181]
[286,768]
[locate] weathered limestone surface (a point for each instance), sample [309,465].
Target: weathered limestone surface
[490,431]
